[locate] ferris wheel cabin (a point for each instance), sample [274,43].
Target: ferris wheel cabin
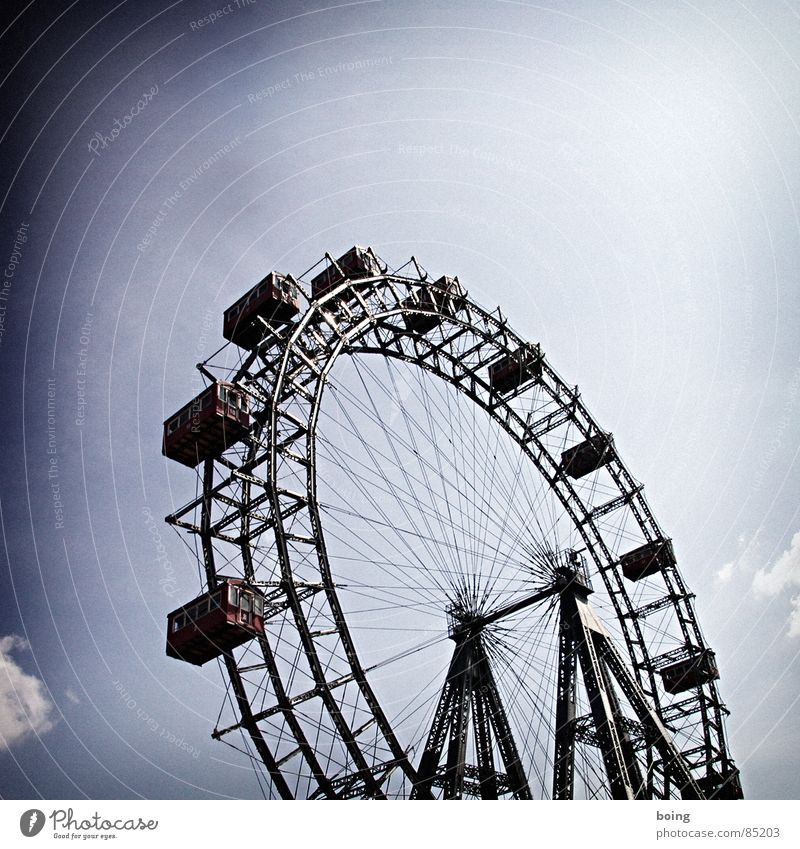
[693,671]
[215,622]
[588,456]
[439,299]
[648,559]
[213,421]
[274,299]
[725,785]
[518,368]
[358,262]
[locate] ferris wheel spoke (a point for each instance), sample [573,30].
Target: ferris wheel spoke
[397,438]
[407,503]
[401,572]
[411,499]
[389,488]
[387,523]
[399,464]
[533,718]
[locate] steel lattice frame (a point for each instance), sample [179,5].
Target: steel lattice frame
[304,704]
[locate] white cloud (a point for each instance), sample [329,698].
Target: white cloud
[25,707]
[72,696]
[745,561]
[725,573]
[784,573]
[794,618]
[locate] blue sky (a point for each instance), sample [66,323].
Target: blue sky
[622,178]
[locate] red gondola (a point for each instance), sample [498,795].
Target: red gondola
[512,371]
[215,622]
[695,670]
[213,421]
[726,786]
[648,559]
[274,299]
[439,299]
[588,456]
[357,262]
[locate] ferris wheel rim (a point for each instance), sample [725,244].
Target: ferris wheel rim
[585,524]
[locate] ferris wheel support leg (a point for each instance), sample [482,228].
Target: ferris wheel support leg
[487,690]
[470,689]
[624,779]
[459,722]
[600,660]
[674,763]
[564,759]
[625,741]
[487,776]
[442,720]
[598,651]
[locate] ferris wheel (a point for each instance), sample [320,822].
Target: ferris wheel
[427,572]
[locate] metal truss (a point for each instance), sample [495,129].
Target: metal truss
[263,496]
[470,692]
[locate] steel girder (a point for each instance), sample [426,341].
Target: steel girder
[290,385]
